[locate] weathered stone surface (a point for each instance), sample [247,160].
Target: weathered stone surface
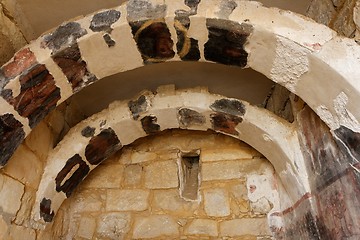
[20,232]
[216,202]
[89,200]
[155,226]
[108,40]
[187,48]
[322,11]
[72,174]
[229,106]
[127,200]
[350,140]
[143,9]
[226,8]
[225,123]
[105,176]
[226,154]
[170,201]
[344,21]
[205,227]
[132,175]
[86,228]
[113,225]
[12,134]
[88,132]
[149,124]
[138,106]
[64,36]
[139,157]
[11,192]
[244,226]
[46,212]
[102,21]
[3,228]
[188,117]
[102,146]
[40,141]
[226,169]
[161,175]
[226,42]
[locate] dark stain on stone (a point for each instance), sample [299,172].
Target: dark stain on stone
[88,132]
[225,123]
[154,41]
[38,94]
[66,183]
[226,42]
[102,146]
[144,9]
[102,21]
[229,106]
[45,210]
[149,124]
[188,117]
[192,4]
[74,68]
[350,139]
[108,40]
[187,48]
[64,36]
[138,106]
[226,8]
[11,136]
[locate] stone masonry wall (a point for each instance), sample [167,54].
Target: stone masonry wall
[135,194]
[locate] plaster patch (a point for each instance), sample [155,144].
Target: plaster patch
[290,63]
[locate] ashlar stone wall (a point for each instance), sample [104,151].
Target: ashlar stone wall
[135,194]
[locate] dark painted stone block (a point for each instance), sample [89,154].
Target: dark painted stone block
[102,21]
[229,106]
[102,146]
[45,210]
[74,68]
[226,42]
[88,132]
[149,124]
[108,40]
[38,96]
[225,123]
[64,36]
[144,9]
[351,141]
[188,117]
[67,182]
[187,48]
[11,136]
[153,40]
[138,106]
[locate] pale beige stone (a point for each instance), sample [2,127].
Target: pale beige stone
[139,157]
[161,175]
[27,202]
[40,140]
[216,202]
[244,226]
[202,227]
[86,228]
[211,155]
[105,176]
[127,200]
[11,192]
[114,225]
[19,232]
[155,226]
[170,200]
[89,201]
[3,227]
[132,175]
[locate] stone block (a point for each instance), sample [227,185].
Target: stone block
[127,200]
[216,202]
[132,175]
[161,175]
[244,226]
[155,226]
[86,228]
[170,200]
[212,155]
[139,157]
[344,21]
[89,201]
[322,11]
[3,227]
[19,232]
[113,225]
[11,192]
[202,227]
[105,176]
[40,140]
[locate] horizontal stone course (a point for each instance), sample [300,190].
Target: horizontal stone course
[127,200]
[155,226]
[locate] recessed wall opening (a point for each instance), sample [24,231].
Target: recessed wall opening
[189,174]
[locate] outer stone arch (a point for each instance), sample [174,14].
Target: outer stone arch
[95,139]
[289,49]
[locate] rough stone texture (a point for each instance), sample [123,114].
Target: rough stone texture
[322,11]
[155,226]
[11,192]
[87,228]
[161,175]
[111,179]
[102,21]
[127,200]
[216,203]
[113,225]
[202,227]
[245,226]
[132,175]
[344,21]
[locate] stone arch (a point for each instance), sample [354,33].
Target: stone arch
[289,49]
[95,139]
